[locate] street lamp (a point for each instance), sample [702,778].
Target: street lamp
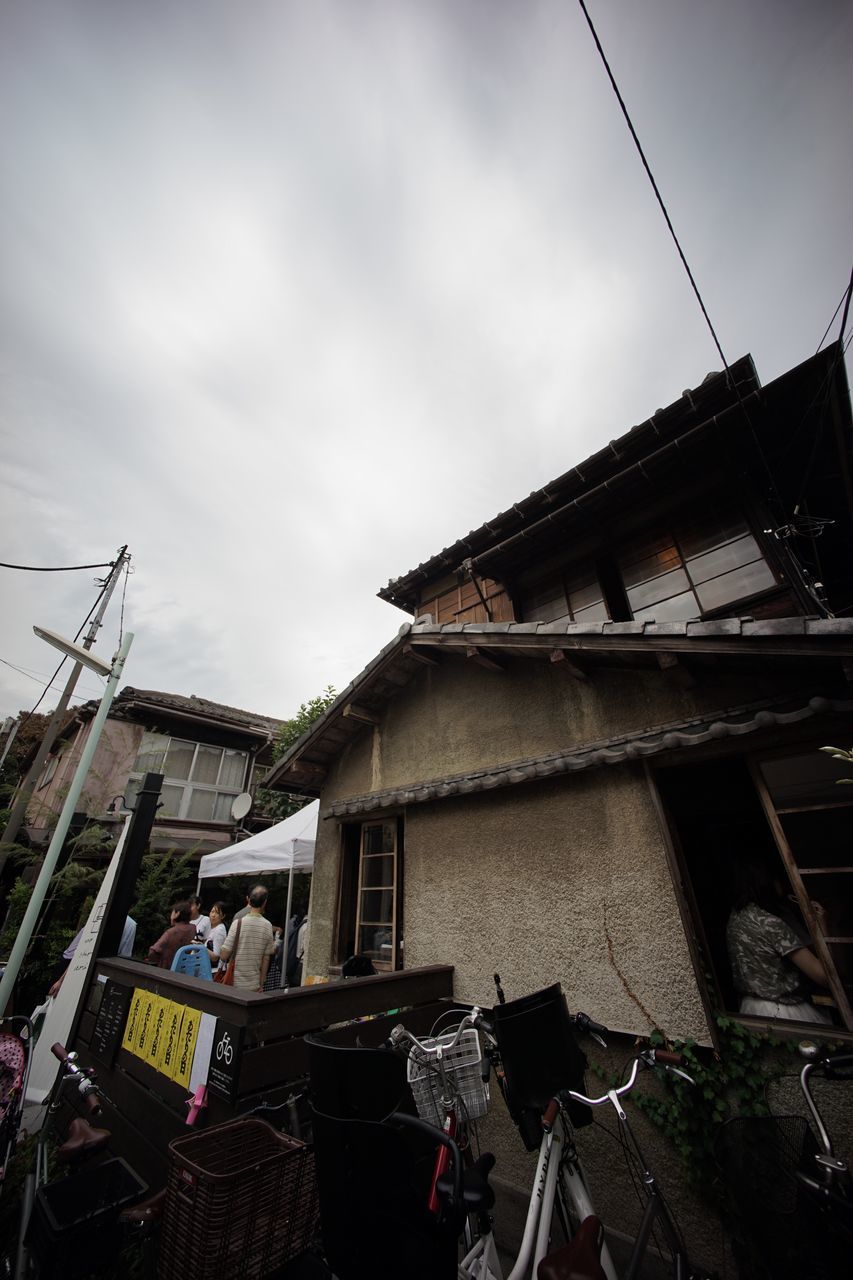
[31,915]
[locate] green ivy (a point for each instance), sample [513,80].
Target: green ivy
[731,1082]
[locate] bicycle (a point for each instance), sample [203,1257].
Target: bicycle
[103,1196]
[790,1197]
[549,1114]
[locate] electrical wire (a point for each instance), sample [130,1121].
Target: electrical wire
[655,187]
[62,568]
[40,680]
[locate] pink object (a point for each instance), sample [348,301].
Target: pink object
[196,1102]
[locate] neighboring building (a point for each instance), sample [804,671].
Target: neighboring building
[608,695]
[209,754]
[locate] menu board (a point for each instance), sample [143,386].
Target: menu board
[109,1024]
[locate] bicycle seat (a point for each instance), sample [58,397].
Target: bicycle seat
[82,1140]
[149,1210]
[578,1260]
[478,1196]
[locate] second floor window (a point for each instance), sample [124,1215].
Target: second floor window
[567,600]
[201,781]
[695,569]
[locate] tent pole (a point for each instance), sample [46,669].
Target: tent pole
[286,940]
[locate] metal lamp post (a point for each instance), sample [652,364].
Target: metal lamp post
[31,915]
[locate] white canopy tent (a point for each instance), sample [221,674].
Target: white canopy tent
[288,846]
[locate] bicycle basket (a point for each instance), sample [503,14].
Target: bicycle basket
[462,1065]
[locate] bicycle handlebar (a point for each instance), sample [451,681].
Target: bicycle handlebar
[86,1087]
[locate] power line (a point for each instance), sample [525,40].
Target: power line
[655,188]
[39,679]
[62,568]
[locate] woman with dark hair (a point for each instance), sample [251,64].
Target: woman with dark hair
[218,931]
[772,962]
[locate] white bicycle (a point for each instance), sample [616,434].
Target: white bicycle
[531,1045]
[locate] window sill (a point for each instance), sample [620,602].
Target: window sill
[782,1029]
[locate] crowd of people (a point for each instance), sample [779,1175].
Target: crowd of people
[256,948]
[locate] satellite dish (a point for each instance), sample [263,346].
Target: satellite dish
[240,806]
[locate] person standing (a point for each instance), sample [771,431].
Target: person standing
[256,944]
[218,931]
[179,934]
[201,922]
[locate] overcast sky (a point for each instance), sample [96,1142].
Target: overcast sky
[296,293]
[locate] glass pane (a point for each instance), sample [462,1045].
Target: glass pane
[376,942]
[201,805]
[707,534]
[131,789]
[222,808]
[179,759]
[595,613]
[653,566]
[821,838]
[379,837]
[806,779]
[646,593]
[731,556]
[206,767]
[672,610]
[378,872]
[736,585]
[548,605]
[171,806]
[152,751]
[233,769]
[377,906]
[583,595]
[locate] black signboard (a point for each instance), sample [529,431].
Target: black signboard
[109,1026]
[224,1070]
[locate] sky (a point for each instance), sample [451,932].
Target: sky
[295,293]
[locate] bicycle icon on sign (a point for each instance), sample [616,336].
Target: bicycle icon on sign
[225,1050]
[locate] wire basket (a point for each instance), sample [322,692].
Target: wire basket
[465,1088]
[244,1190]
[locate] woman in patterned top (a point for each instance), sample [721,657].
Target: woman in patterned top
[772,964]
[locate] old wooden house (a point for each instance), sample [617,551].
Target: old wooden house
[605,697]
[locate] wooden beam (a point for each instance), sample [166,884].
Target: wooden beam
[482,659]
[301,769]
[360,713]
[681,676]
[419,653]
[559,659]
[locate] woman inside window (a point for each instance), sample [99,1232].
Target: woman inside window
[773,965]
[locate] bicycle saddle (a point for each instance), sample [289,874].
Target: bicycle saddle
[82,1140]
[477,1195]
[578,1260]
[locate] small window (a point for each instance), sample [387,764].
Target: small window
[370,889]
[566,600]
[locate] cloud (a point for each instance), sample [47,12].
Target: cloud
[298,295]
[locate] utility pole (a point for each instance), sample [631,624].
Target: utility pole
[19,808]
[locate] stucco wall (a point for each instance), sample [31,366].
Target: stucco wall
[531,879]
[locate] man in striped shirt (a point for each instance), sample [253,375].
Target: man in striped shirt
[255,946]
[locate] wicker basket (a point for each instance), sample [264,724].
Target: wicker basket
[241,1200]
[463,1072]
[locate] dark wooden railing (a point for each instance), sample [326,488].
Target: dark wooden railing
[146,1109]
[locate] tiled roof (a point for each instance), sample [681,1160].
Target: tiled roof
[201,708]
[734,722]
[695,407]
[619,643]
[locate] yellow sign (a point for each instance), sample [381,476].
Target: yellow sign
[182,1065]
[163,1034]
[133,1013]
[170,1037]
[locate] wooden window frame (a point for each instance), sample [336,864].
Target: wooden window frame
[348,918]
